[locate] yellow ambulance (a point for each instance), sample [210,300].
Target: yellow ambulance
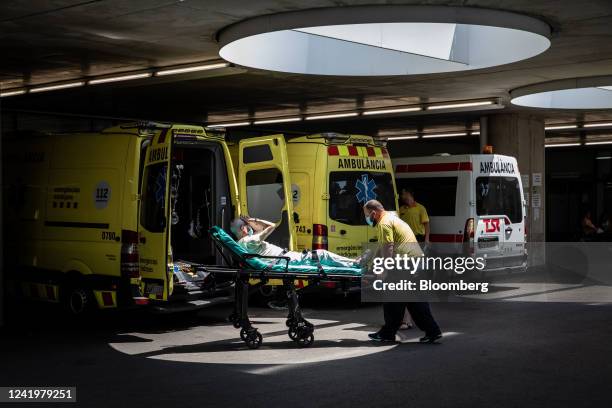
[121,217]
[332,176]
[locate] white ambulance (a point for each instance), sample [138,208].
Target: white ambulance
[475,205]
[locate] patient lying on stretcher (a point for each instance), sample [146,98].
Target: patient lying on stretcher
[252,234]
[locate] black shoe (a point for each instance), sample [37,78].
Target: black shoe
[378,337]
[430,338]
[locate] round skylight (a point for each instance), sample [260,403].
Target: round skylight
[383,40]
[576,93]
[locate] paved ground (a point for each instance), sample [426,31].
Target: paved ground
[502,354]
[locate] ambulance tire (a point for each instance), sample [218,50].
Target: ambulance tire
[78,300]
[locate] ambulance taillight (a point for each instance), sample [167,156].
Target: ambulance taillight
[468,232]
[319,236]
[130,267]
[468,236]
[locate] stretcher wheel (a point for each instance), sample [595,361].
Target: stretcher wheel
[292,333]
[290,322]
[236,324]
[305,341]
[253,339]
[243,334]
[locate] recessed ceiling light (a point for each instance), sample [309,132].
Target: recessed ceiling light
[600,124]
[56,87]
[12,92]
[432,136]
[408,137]
[560,127]
[279,120]
[459,105]
[332,116]
[119,78]
[229,124]
[383,40]
[389,111]
[606,142]
[562,144]
[195,68]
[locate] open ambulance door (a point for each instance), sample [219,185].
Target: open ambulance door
[155,217]
[265,186]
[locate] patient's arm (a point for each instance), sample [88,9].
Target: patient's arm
[264,228]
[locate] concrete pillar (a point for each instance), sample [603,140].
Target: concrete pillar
[522,136]
[483,137]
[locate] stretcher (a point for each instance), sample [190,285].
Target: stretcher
[248,266]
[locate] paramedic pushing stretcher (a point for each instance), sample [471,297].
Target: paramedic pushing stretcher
[252,234]
[396,237]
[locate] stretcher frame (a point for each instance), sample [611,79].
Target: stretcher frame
[300,330]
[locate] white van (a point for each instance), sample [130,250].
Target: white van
[475,204]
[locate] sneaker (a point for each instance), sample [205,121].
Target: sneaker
[377,337]
[405,326]
[430,338]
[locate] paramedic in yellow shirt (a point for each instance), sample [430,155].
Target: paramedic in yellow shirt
[415,215]
[396,237]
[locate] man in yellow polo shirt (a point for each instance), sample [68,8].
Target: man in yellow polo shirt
[396,237]
[415,215]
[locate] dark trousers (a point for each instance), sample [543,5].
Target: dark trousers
[421,315]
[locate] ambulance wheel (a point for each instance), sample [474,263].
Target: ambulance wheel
[253,339]
[78,300]
[305,341]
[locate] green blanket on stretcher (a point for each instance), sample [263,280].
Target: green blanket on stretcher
[259,264]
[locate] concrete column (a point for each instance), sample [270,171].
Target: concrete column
[522,136]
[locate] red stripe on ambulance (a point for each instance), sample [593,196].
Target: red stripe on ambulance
[333,150]
[431,167]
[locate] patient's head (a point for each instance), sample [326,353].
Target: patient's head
[240,228]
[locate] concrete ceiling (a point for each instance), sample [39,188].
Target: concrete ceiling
[44,41]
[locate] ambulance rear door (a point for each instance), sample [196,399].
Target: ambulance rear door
[155,217]
[264,186]
[499,208]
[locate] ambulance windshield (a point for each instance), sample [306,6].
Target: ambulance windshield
[349,190]
[499,196]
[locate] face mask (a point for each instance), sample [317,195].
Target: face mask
[250,232]
[369,220]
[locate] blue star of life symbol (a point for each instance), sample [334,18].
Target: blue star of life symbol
[160,185]
[365,189]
